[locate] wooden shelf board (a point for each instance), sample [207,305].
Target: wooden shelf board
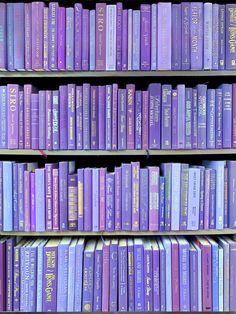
[118,233]
[113,74]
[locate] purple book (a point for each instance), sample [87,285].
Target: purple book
[63,116]
[131,275]
[154,37]
[222,22]
[32,202]
[113,300]
[135,168]
[211,118]
[194,119]
[72,202]
[79,117]
[49,120]
[184,274]
[19,43]
[86,116]
[45,39]
[125,40]
[184,196]
[122,119]
[176,37]
[201,96]
[21,190]
[166,115]
[136,40]
[212,200]
[226,198]
[21,119]
[71,117]
[80,174]
[156,275]
[117,198]
[188,117]
[181,113]
[1,197]
[55,199]
[130,115]
[28,36]
[138,119]
[227,116]
[153,198]
[55,120]
[105,278]
[202,197]
[193,272]
[164,36]
[166,170]
[61,38]
[148,275]
[175,274]
[50,253]
[126,197]
[196,35]
[87,199]
[37,35]
[231,165]
[206,198]
[10,36]
[114,110]
[145,37]
[101,116]
[108,117]
[10,242]
[13,115]
[207,36]
[53,35]
[145,119]
[97,292]
[230,49]
[49,194]
[139,275]
[234,115]
[110,204]
[174,121]
[15,197]
[27,199]
[144,199]
[3,38]
[185,32]
[3,276]
[162,204]
[69,39]
[63,195]
[215,36]
[78,36]
[102,205]
[154,116]
[100,37]
[85,40]
[3,117]
[34,121]
[94,117]
[119,17]
[42,120]
[122,276]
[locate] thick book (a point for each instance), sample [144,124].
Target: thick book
[110,202]
[94,117]
[227,114]
[130,115]
[138,119]
[188,117]
[166,115]
[215,36]
[118,199]
[69,39]
[80,174]
[3,274]
[148,282]
[144,200]
[196,35]
[193,199]
[63,116]
[100,37]
[175,195]
[79,275]
[154,36]
[211,118]
[13,115]
[222,36]
[145,120]
[71,275]
[207,36]
[181,112]
[18,35]
[168,270]
[7,195]
[95,199]
[61,58]
[72,202]
[37,35]
[184,274]
[145,37]
[10,36]
[185,35]
[34,121]
[40,199]
[85,40]
[79,117]
[53,35]
[55,121]
[126,197]
[3,117]
[155,116]
[87,199]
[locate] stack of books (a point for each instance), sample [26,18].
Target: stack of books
[126,275]
[161,36]
[107,117]
[173,197]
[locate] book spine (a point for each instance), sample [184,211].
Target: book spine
[131,278]
[78,36]
[166,117]
[69,39]
[9,274]
[124,41]
[39,306]
[55,199]
[80,173]
[32,282]
[3,117]
[206,278]
[122,119]
[1,196]
[195,120]
[184,277]
[92,56]
[63,116]
[21,120]
[188,118]
[37,36]
[95,200]
[227,114]
[27,115]
[154,198]
[230,44]
[154,116]
[202,92]
[212,197]
[231,189]
[174,121]
[13,115]
[3,36]
[148,282]
[113,300]
[22,282]
[71,277]
[32,202]
[42,120]
[153,36]
[71,117]
[162,204]
[222,39]
[45,39]
[215,36]
[226,198]
[138,120]
[176,37]
[193,274]
[111,38]
[144,199]
[52,36]
[234,115]
[28,36]
[27,200]
[15,197]
[85,40]
[105,281]
[118,198]
[16,278]
[207,199]
[145,37]
[79,117]
[193,199]
[49,195]
[181,113]
[122,279]
[19,40]
[72,202]
[63,257]
[21,169]
[102,194]
[97,293]
[232,282]
[135,195]
[219,118]
[138,277]
[100,37]
[119,25]
[87,199]
[211,118]
[35,121]
[7,196]
[49,120]
[114,116]
[196,35]
[126,197]
[86,116]
[136,40]
[207,36]
[185,32]
[79,274]
[175,196]
[130,115]
[175,277]
[156,279]
[10,37]
[110,208]
[61,58]
[101,116]
[184,196]
[130,42]
[63,196]
[168,186]
[40,199]
[108,117]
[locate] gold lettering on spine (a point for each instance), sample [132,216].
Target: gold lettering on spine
[50,276]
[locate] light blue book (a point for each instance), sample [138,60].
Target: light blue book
[193,198]
[40,199]
[176,194]
[62,274]
[7,196]
[71,276]
[221,279]
[3,117]
[69,38]
[215,274]
[218,166]
[207,41]
[111,37]
[136,40]
[199,265]
[95,199]
[78,275]
[167,246]
[92,51]
[39,306]
[130,32]
[225,245]
[154,38]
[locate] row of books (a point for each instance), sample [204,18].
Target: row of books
[173,197]
[112,118]
[128,275]
[162,36]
